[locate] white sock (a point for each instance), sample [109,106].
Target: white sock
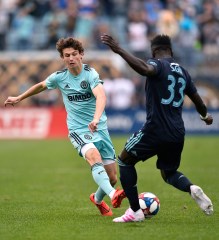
[111,194]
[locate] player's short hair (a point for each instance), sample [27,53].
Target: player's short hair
[69,42]
[161,42]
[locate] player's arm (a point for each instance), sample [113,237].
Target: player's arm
[135,63]
[35,89]
[100,96]
[201,108]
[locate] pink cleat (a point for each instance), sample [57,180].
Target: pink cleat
[131,216]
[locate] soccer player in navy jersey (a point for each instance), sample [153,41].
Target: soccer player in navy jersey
[163,133]
[84,99]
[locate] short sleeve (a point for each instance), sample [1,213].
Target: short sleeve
[94,78]
[51,81]
[156,64]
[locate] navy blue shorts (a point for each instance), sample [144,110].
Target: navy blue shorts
[142,146]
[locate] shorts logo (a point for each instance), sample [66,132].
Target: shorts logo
[84,85]
[87,137]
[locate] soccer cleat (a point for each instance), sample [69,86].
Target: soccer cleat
[118,196]
[202,200]
[103,207]
[131,216]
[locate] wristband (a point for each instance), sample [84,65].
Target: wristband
[204,118]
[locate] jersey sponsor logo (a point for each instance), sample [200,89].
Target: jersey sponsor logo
[88,137]
[84,84]
[79,97]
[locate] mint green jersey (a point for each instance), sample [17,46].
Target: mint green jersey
[78,98]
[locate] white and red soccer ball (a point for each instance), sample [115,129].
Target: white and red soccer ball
[149,203]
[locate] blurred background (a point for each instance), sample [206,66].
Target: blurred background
[29,30]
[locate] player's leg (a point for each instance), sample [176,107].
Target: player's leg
[100,176]
[108,155]
[136,148]
[92,155]
[179,181]
[169,156]
[110,168]
[99,173]
[176,179]
[83,143]
[128,178]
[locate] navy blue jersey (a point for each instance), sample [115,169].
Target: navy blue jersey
[165,93]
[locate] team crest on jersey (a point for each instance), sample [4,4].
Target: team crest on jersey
[84,84]
[88,137]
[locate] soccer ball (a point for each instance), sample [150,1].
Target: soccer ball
[149,203]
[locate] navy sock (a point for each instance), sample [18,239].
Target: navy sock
[128,178]
[179,181]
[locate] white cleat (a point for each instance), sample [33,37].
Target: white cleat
[131,216]
[202,199]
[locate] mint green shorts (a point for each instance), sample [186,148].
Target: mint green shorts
[101,139]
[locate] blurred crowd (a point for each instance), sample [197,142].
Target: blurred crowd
[38,24]
[193,26]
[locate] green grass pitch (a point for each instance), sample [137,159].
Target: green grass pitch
[45,188]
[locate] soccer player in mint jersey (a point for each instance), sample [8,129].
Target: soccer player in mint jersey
[163,133]
[84,99]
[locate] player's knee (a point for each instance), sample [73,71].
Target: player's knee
[92,156]
[125,159]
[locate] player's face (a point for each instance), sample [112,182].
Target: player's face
[72,58]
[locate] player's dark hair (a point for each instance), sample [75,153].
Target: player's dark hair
[161,42]
[69,43]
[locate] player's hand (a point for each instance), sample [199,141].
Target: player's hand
[93,125]
[12,101]
[108,40]
[208,120]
